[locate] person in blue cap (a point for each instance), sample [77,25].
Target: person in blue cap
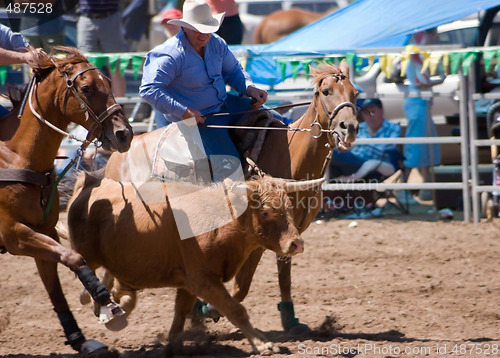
[369,161]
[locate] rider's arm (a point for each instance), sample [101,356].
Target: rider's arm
[235,76]
[12,41]
[13,47]
[232,71]
[159,72]
[8,57]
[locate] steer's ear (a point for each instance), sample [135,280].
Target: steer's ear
[293,186]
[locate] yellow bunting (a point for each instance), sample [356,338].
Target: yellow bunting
[386,63]
[434,61]
[371,60]
[426,61]
[446,63]
[405,58]
[382,60]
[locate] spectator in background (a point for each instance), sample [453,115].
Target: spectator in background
[368,161]
[170,29]
[45,27]
[14,49]
[99,29]
[231,29]
[418,114]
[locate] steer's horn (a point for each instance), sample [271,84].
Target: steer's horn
[239,188]
[293,186]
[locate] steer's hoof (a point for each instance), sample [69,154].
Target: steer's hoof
[300,329]
[92,346]
[268,349]
[113,317]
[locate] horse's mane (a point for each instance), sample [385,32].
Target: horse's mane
[44,63]
[324,70]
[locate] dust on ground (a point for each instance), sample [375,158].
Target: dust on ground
[392,286]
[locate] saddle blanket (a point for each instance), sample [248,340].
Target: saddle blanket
[179,154]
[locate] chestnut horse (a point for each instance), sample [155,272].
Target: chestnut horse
[285,154]
[63,91]
[283,22]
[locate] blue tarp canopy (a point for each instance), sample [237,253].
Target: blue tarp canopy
[362,24]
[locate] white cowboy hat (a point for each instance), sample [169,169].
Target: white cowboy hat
[197,15]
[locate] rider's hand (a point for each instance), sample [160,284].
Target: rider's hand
[259,96]
[33,55]
[190,113]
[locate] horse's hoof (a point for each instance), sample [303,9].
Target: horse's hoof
[92,346]
[299,329]
[109,312]
[117,324]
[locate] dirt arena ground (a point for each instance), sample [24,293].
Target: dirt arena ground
[397,286]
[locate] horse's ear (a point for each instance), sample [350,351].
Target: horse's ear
[344,67]
[313,70]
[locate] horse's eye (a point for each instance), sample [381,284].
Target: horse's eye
[85,89]
[326,92]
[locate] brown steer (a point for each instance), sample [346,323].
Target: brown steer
[137,237]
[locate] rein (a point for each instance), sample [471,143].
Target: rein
[315,129]
[282,106]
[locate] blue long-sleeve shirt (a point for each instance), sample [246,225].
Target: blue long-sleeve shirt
[375,151]
[12,41]
[175,77]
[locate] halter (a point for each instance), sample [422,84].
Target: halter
[334,113]
[317,128]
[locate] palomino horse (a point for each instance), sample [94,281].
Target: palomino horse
[283,22]
[293,155]
[64,91]
[300,156]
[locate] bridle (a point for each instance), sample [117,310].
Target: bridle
[70,85]
[96,125]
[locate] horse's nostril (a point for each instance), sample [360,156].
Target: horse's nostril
[122,136]
[342,125]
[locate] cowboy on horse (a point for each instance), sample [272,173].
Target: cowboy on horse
[186,77]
